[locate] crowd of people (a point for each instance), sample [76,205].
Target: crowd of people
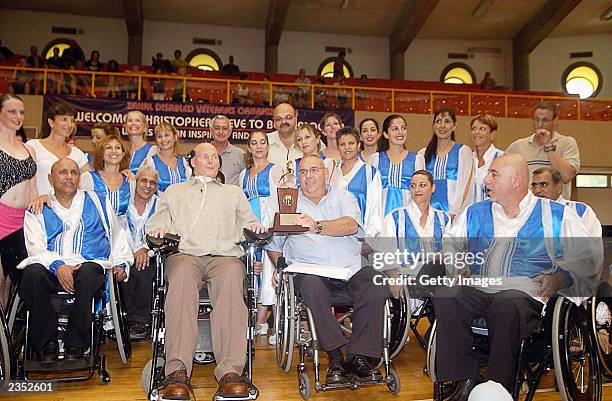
[66,217]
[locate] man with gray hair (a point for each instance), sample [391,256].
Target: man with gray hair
[232,157]
[137,290]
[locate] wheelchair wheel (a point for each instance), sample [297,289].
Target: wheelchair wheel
[145,376]
[601,317]
[5,352]
[393,381]
[284,325]
[400,323]
[431,354]
[304,385]
[120,322]
[575,354]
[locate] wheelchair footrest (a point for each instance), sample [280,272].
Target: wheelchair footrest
[253,394]
[326,387]
[83,363]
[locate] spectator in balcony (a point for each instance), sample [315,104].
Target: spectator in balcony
[113,87]
[230,69]
[132,85]
[265,89]
[5,53]
[159,85]
[321,100]
[362,94]
[20,81]
[55,61]
[94,64]
[34,60]
[178,62]
[339,64]
[242,92]
[177,94]
[76,84]
[72,54]
[488,82]
[302,96]
[160,62]
[342,94]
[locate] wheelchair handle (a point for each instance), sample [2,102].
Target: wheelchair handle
[169,243]
[257,239]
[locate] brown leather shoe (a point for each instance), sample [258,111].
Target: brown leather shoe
[176,386]
[232,384]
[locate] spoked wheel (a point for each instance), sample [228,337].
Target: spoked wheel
[284,325]
[120,321]
[304,385]
[431,354]
[575,354]
[601,317]
[145,377]
[400,323]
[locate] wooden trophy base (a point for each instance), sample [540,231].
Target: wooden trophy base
[285,223]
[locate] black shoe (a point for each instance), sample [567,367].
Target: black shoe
[50,352]
[139,332]
[463,390]
[336,374]
[362,369]
[73,353]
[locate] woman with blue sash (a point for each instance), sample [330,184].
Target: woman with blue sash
[307,140]
[394,163]
[370,133]
[484,128]
[259,182]
[360,179]
[417,228]
[107,179]
[137,128]
[450,164]
[171,168]
[329,125]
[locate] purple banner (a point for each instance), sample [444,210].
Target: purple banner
[191,119]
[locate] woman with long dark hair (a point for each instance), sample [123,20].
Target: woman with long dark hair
[395,163]
[370,134]
[449,163]
[171,167]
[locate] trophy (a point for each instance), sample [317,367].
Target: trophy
[284,219]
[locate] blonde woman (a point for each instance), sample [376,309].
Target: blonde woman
[136,127]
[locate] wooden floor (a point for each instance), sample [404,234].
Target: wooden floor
[272,382]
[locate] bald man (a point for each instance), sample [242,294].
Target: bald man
[505,235]
[209,217]
[70,244]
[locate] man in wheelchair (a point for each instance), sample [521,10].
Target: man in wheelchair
[69,245]
[529,248]
[333,219]
[209,217]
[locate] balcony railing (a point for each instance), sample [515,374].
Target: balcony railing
[141,86]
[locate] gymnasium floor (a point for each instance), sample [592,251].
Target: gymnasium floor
[273,383]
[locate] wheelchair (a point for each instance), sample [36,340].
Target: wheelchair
[153,375]
[110,320]
[564,340]
[600,307]
[292,314]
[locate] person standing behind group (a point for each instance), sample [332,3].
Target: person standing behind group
[259,182]
[17,190]
[232,157]
[330,124]
[308,142]
[137,128]
[100,131]
[171,168]
[370,134]
[360,179]
[58,128]
[394,163]
[107,179]
[450,163]
[484,128]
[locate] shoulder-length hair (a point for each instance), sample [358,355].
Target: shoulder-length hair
[98,157]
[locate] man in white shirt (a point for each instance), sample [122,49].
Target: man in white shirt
[547,183]
[509,238]
[282,147]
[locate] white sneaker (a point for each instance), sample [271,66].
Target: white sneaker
[263,330]
[272,339]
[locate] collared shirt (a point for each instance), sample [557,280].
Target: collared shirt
[233,163]
[478,187]
[323,249]
[134,223]
[587,216]
[537,158]
[278,153]
[208,216]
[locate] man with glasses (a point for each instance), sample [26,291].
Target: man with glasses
[333,220]
[548,148]
[232,156]
[282,147]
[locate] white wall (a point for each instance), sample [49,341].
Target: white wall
[20,29]
[369,55]
[550,59]
[426,58]
[246,45]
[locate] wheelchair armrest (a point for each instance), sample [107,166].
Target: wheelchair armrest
[169,243]
[261,239]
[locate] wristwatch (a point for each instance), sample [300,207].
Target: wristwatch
[319,227]
[550,148]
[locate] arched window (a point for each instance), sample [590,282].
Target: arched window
[62,44]
[204,59]
[458,73]
[326,68]
[582,79]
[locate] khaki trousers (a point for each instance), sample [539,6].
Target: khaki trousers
[224,275]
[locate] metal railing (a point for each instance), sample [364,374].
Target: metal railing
[145,86]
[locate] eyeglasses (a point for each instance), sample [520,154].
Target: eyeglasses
[312,170]
[279,119]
